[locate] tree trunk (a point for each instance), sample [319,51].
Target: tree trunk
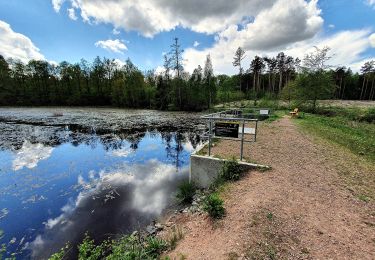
[254,82]
[371,96]
[363,86]
[269,82]
[343,91]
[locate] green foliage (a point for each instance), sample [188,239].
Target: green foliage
[308,87]
[214,206]
[88,250]
[231,170]
[186,191]
[364,198]
[61,254]
[128,247]
[354,135]
[155,246]
[369,116]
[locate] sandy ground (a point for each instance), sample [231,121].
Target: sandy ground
[301,209]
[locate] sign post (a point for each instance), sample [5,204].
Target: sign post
[226,129]
[226,125]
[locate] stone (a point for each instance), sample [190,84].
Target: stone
[151,230]
[159,226]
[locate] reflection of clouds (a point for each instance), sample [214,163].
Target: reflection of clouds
[116,201]
[188,147]
[3,213]
[123,152]
[30,154]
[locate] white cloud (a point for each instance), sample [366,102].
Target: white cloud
[331,26]
[123,152]
[72,14]
[370,2]
[115,31]
[150,17]
[30,155]
[356,66]
[196,44]
[372,39]
[16,45]
[120,63]
[57,4]
[112,45]
[122,198]
[261,27]
[286,22]
[222,52]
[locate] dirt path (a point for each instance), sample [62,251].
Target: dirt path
[299,210]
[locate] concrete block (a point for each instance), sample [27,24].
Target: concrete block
[204,170]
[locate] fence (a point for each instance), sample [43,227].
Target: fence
[226,125]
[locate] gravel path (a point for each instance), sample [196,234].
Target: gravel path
[301,209]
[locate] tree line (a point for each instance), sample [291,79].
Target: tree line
[103,82]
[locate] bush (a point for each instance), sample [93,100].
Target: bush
[369,116]
[155,246]
[213,204]
[186,191]
[88,250]
[231,171]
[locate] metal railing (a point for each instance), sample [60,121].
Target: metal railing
[234,116]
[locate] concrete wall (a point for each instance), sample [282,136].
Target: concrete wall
[204,170]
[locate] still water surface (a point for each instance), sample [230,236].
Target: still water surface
[105,171]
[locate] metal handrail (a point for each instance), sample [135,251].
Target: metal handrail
[241,120]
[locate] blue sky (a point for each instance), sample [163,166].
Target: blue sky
[147,29]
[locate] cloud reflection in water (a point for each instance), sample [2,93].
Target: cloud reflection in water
[30,154]
[118,201]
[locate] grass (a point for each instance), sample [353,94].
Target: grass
[231,170]
[127,247]
[186,191]
[175,235]
[350,140]
[358,137]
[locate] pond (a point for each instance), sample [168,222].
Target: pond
[67,171]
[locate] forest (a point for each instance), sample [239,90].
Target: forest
[103,82]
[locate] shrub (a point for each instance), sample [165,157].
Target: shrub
[59,255]
[231,170]
[175,235]
[155,246]
[128,247]
[186,191]
[213,204]
[369,116]
[88,250]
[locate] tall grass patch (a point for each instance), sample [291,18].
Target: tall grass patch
[359,137]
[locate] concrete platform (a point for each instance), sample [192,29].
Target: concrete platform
[204,170]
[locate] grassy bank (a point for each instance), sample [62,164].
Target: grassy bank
[357,136]
[350,142]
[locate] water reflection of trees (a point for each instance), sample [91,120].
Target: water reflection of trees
[173,138]
[174,144]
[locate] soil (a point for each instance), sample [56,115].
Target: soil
[304,208]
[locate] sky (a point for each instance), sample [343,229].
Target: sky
[69,30]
